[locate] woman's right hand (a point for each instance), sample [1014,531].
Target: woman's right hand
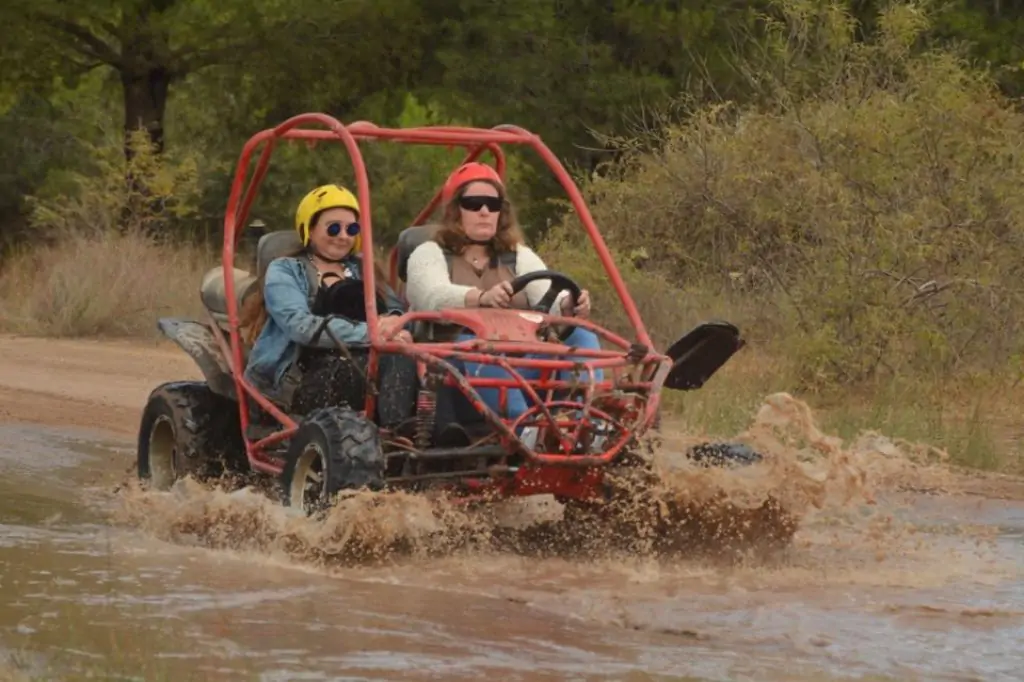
[387,327]
[498,296]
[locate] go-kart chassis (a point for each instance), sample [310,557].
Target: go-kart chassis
[636,372]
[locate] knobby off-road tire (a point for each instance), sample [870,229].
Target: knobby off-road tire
[187,429]
[724,455]
[333,450]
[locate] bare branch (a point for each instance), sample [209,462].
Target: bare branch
[192,59]
[108,27]
[87,43]
[189,59]
[82,68]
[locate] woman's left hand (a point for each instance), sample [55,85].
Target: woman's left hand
[582,308]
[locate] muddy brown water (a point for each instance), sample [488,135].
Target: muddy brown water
[880,583]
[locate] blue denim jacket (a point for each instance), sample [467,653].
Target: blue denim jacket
[290,325]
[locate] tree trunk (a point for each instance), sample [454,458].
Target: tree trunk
[146,77]
[145,102]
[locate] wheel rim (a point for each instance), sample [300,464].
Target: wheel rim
[309,481]
[162,454]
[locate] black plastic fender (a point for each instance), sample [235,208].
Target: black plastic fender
[196,339]
[701,353]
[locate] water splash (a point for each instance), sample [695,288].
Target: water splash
[687,510]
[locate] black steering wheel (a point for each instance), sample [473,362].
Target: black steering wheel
[559,282]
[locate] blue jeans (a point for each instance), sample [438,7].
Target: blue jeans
[517,402]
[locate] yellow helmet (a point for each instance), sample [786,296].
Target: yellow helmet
[321,199]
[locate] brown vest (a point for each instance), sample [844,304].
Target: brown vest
[462,272]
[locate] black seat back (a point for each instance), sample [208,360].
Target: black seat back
[408,240]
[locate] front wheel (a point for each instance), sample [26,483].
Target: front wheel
[334,449]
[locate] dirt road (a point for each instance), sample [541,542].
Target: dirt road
[916,586]
[84,383]
[103,385]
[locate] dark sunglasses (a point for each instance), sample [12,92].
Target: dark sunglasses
[474,204]
[334,229]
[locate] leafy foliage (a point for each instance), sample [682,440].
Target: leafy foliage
[867,208]
[769,147]
[206,75]
[102,202]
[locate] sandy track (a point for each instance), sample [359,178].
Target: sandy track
[84,383]
[103,385]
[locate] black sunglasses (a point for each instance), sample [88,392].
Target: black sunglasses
[475,203]
[334,229]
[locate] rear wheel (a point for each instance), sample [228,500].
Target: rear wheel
[187,429]
[335,449]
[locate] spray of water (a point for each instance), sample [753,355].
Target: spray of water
[683,509]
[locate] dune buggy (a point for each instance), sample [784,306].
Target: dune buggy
[570,437]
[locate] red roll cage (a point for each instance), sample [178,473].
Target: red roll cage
[483,322]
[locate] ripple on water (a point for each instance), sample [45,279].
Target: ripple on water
[877,584]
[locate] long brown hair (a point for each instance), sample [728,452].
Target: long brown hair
[254,309]
[452,237]
[253,315]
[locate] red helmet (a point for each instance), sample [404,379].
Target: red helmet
[466,173]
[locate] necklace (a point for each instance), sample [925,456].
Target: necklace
[346,272]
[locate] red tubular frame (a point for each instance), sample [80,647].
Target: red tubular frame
[477,141]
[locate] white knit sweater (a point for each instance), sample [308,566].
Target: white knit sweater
[429,287]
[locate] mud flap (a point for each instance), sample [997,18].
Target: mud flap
[699,354]
[197,340]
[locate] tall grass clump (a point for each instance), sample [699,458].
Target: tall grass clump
[102,262]
[861,219]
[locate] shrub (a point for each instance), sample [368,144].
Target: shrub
[864,216]
[111,284]
[100,264]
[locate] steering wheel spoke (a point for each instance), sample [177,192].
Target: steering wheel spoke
[559,282]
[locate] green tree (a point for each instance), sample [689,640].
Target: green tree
[579,71]
[151,45]
[992,30]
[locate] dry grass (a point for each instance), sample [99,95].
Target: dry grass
[109,285]
[977,424]
[117,286]
[8,674]
[971,414]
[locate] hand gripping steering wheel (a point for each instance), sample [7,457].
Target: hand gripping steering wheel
[559,283]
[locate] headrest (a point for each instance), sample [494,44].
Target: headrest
[274,245]
[408,240]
